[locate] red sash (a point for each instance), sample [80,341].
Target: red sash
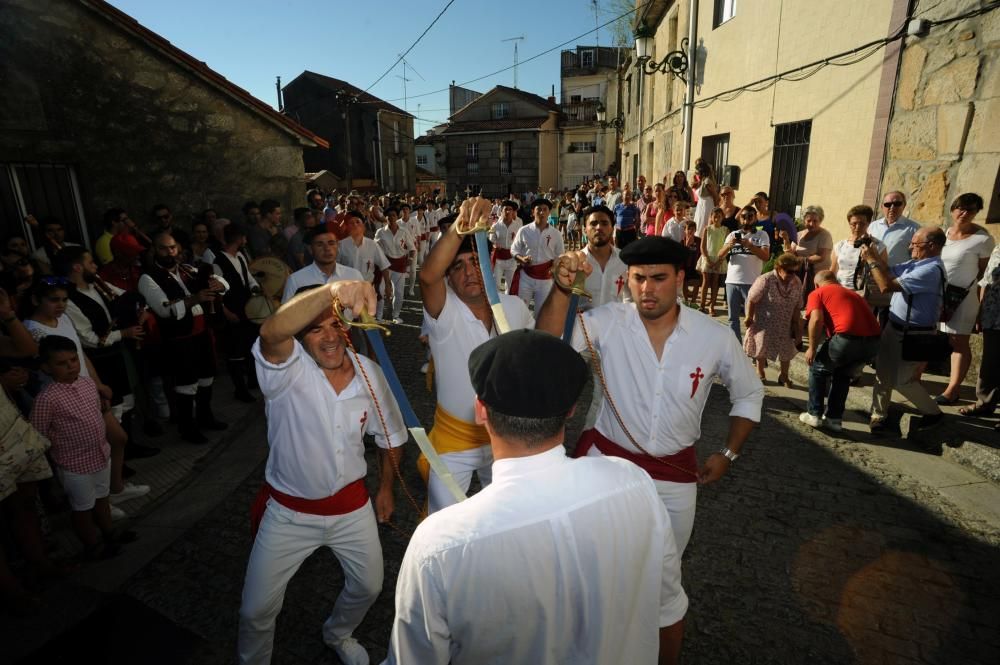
[198,326]
[532,270]
[347,500]
[686,459]
[500,254]
[398,264]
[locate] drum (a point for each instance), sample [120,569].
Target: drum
[259,307]
[271,273]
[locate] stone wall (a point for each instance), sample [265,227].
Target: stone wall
[137,127]
[943,137]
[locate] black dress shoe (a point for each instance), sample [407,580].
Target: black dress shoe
[138,451]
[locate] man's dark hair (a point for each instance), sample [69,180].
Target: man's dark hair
[267,206]
[604,210]
[160,206]
[248,206]
[529,431]
[510,204]
[968,201]
[111,216]
[447,220]
[67,258]
[314,192]
[300,214]
[391,209]
[315,232]
[50,221]
[52,344]
[421,206]
[232,232]
[355,214]
[541,202]
[204,213]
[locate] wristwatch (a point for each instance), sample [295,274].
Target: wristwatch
[729,455]
[874,265]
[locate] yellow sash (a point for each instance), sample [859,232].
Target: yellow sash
[451,435]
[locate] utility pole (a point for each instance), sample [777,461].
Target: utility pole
[515,40]
[346,100]
[277,84]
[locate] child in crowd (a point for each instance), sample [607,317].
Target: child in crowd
[711,265]
[69,412]
[692,278]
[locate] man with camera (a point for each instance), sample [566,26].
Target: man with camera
[894,230]
[746,249]
[917,288]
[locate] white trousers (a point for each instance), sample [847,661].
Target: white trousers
[534,289]
[461,466]
[412,272]
[680,501]
[504,270]
[398,282]
[285,539]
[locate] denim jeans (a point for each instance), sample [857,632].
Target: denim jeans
[736,298]
[831,371]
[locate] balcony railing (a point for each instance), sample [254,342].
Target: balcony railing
[581,112]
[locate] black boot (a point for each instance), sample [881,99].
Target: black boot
[237,372]
[206,419]
[135,450]
[184,407]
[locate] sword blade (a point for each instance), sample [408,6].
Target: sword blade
[490,282]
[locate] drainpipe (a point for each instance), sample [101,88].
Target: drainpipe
[692,67]
[640,81]
[378,123]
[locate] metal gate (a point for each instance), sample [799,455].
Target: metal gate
[788,168]
[45,191]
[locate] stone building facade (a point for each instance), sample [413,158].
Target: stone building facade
[505,141]
[375,138]
[944,133]
[98,112]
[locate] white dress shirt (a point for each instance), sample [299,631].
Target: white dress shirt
[241,267]
[366,259]
[84,328]
[502,236]
[315,434]
[656,396]
[397,244]
[452,336]
[608,284]
[157,299]
[557,561]
[540,246]
[312,275]
[896,237]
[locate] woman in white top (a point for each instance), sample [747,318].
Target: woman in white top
[965,255]
[200,251]
[708,194]
[847,257]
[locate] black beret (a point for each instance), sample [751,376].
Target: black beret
[653,250]
[527,374]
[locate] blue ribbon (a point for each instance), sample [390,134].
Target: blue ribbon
[409,416]
[574,303]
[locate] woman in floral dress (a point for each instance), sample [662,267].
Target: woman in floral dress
[774,327]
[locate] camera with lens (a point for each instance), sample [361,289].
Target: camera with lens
[737,236]
[866,240]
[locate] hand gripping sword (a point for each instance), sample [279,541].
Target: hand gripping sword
[576,291]
[480,227]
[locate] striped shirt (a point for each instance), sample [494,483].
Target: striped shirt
[69,415]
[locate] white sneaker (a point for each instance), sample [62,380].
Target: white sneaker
[349,651]
[117,514]
[810,419]
[397,320]
[424,368]
[834,424]
[129,491]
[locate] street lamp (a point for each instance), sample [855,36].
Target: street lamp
[675,62]
[602,115]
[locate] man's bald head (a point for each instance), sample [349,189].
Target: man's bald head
[824,277]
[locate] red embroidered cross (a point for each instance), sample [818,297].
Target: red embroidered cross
[620,282]
[697,376]
[368,267]
[364,419]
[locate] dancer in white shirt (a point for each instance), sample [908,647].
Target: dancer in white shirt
[324,269]
[608,279]
[659,359]
[535,248]
[502,235]
[318,409]
[363,254]
[559,560]
[397,244]
[458,319]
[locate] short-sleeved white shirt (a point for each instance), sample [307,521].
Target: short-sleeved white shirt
[609,284]
[744,267]
[452,336]
[315,434]
[502,236]
[847,260]
[366,259]
[395,244]
[540,246]
[311,275]
[657,397]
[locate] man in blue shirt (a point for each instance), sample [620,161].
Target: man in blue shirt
[917,287]
[626,219]
[894,230]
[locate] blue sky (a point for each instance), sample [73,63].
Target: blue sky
[250,42]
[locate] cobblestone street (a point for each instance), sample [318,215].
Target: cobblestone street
[811,550]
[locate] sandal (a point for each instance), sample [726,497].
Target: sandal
[973,411]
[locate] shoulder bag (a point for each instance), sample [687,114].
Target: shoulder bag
[925,345]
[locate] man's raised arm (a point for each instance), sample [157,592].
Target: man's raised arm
[552,316]
[436,264]
[280,328]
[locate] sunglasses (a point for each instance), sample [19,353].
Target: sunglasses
[892,204]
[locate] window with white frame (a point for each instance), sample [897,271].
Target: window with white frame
[421,160]
[587,59]
[583,146]
[724,10]
[500,110]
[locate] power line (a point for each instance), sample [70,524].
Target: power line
[407,51]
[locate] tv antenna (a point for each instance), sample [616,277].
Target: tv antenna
[515,40]
[404,79]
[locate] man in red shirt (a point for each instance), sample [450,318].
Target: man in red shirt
[852,339]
